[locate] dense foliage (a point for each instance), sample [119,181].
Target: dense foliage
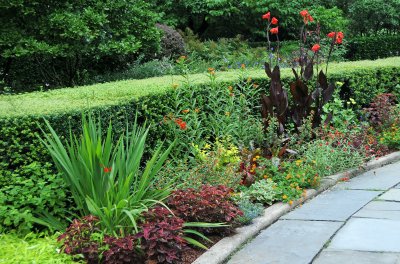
[60,43]
[373,47]
[21,150]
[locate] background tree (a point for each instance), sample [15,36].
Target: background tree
[62,41]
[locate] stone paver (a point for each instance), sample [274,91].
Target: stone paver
[380,210]
[354,257]
[391,195]
[287,241]
[378,179]
[354,222]
[365,234]
[336,205]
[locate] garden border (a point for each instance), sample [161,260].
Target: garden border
[221,251]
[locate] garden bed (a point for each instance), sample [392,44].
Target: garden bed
[148,174]
[222,250]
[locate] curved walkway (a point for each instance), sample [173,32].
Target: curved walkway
[354,222]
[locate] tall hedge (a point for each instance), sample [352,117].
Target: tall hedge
[60,43]
[373,47]
[28,181]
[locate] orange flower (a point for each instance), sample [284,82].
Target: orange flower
[107,170]
[290,202]
[274,31]
[243,66]
[274,21]
[185,111]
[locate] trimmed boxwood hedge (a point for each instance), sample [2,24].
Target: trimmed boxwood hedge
[28,181]
[373,47]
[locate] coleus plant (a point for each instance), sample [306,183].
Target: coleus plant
[306,102]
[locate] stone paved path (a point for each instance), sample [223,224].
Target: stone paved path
[355,222]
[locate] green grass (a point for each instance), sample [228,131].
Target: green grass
[113,93]
[31,249]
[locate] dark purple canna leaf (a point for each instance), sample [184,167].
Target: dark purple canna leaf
[308,71]
[267,107]
[299,92]
[268,69]
[328,118]
[328,93]
[322,80]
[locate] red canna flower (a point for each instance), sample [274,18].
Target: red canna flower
[274,21]
[107,170]
[339,37]
[267,16]
[331,35]
[274,30]
[306,16]
[316,47]
[304,13]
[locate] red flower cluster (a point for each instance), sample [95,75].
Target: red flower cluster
[316,47]
[306,16]
[107,170]
[274,21]
[338,35]
[182,124]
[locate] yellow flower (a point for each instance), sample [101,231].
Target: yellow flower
[298,162]
[197,110]
[284,197]
[290,202]
[265,177]
[230,88]
[175,85]
[227,113]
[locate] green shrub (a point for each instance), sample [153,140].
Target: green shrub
[263,191]
[373,47]
[331,157]
[172,45]
[32,248]
[93,165]
[118,102]
[75,39]
[250,211]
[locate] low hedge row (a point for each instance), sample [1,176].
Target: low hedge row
[28,181]
[373,47]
